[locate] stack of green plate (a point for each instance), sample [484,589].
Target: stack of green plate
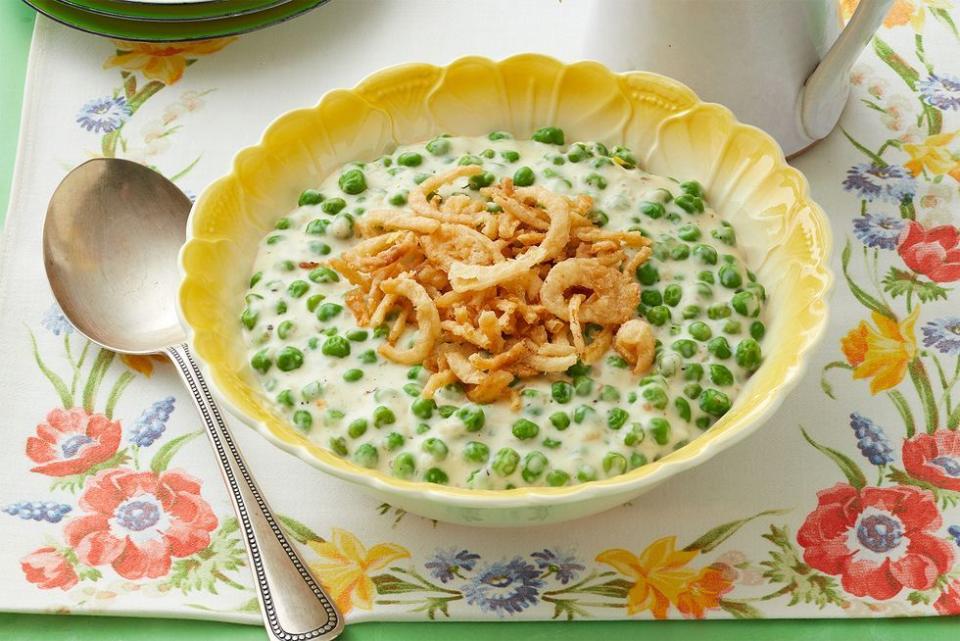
[171,20]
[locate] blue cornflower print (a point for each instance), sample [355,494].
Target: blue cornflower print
[504,587]
[103,115]
[49,511]
[941,91]
[882,232]
[563,565]
[151,424]
[943,335]
[447,564]
[54,320]
[891,183]
[954,531]
[871,440]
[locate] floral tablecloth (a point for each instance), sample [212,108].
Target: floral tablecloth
[845,504]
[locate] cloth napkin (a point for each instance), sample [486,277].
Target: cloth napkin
[844,504]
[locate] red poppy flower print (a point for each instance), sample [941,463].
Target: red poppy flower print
[48,569]
[934,458]
[933,252]
[138,521]
[878,540]
[949,601]
[71,441]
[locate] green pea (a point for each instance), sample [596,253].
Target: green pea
[383,415]
[637,460]
[286,398]
[446,411]
[586,473]
[693,188]
[310,197]
[286,265]
[692,311]
[481,180]
[748,354]
[476,452]
[557,478]
[436,475]
[249,318]
[730,277]
[284,329]
[505,461]
[493,208]
[685,347]
[745,303]
[282,223]
[298,288]
[658,315]
[311,391]
[582,385]
[319,248]
[672,295]
[549,135]
[368,357]
[534,463]
[718,311]
[757,289]
[423,407]
[509,155]
[303,420]
[757,330]
[706,253]
[333,417]
[333,206]
[634,435]
[381,331]
[609,393]
[413,389]
[616,417]
[398,199]
[416,373]
[439,146]
[725,234]
[720,375]
[281,307]
[660,430]
[617,361]
[578,152]
[409,159]
[273,240]
[357,335]
[317,227]
[353,375]
[700,331]
[560,420]
[552,443]
[689,233]
[648,274]
[614,464]
[289,359]
[470,159]
[472,417]
[523,177]
[323,275]
[436,448]
[580,414]
[579,369]
[719,347]
[422,428]
[692,390]
[656,396]
[596,180]
[624,158]
[714,402]
[525,429]
[357,428]
[404,466]
[683,408]
[499,135]
[393,441]
[352,182]
[366,456]
[689,203]
[561,391]
[336,346]
[256,278]
[651,297]
[732,327]
[328,310]
[680,251]
[652,209]
[314,301]
[706,276]
[598,218]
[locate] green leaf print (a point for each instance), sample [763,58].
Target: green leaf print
[66,398]
[300,532]
[208,567]
[161,460]
[801,582]
[715,536]
[740,609]
[390,584]
[850,469]
[899,282]
[865,299]
[97,371]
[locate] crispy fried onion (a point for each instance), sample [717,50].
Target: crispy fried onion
[495,297]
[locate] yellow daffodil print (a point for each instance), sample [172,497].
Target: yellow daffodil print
[933,156]
[881,354]
[164,62]
[345,565]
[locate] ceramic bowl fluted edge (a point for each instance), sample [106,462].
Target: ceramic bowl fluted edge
[783,233]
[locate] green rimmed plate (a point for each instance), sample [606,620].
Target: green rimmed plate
[173,9]
[170,30]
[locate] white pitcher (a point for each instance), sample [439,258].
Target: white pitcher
[782,65]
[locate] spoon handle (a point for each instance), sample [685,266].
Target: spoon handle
[294,606]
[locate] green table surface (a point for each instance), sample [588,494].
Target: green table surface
[16,25]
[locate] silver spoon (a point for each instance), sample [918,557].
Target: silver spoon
[110,243]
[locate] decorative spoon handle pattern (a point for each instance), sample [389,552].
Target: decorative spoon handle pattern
[294,606]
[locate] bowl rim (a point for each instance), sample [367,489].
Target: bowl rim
[700,449]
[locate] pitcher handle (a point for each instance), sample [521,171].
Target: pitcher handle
[826,90]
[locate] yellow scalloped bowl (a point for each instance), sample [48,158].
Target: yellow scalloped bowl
[784,234]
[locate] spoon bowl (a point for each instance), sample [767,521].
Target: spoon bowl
[111,239]
[110,244]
